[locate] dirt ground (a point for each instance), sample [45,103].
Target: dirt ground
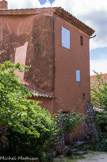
[91,156]
[94,156]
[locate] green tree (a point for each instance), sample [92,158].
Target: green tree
[30,126]
[99,100]
[99,93]
[69,121]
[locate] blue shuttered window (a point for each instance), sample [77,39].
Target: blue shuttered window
[65,38]
[78,75]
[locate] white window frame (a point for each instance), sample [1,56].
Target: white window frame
[65,33]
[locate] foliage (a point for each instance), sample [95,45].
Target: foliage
[30,127]
[69,120]
[99,100]
[101,125]
[99,93]
[99,146]
[1,52]
[102,120]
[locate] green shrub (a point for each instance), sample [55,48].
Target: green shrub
[69,121]
[99,93]
[99,146]
[30,127]
[99,100]
[101,121]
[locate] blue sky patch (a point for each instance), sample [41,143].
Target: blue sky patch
[42,2]
[51,1]
[98,53]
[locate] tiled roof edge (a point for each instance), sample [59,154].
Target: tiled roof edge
[73,20]
[40,94]
[94,76]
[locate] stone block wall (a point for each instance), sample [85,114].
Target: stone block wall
[91,133]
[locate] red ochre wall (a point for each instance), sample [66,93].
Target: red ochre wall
[29,40]
[46,103]
[68,92]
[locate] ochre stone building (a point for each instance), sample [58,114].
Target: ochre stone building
[55,45]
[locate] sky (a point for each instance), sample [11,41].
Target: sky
[93,13]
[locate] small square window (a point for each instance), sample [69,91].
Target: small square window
[65,38]
[81,40]
[78,75]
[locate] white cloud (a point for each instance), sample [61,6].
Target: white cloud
[99,66]
[67,5]
[90,12]
[77,7]
[13,4]
[73,6]
[97,20]
[83,6]
[98,42]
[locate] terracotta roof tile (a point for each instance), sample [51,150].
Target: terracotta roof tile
[103,75]
[40,94]
[94,81]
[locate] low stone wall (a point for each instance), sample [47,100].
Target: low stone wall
[91,133]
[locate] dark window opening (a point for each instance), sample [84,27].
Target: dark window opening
[81,40]
[83,95]
[66,112]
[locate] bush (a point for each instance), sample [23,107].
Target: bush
[99,100]
[99,146]
[99,93]
[69,121]
[101,121]
[29,127]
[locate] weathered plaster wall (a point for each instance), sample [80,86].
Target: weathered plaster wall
[20,56]
[29,40]
[13,34]
[40,56]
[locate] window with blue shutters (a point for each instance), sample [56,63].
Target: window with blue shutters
[78,75]
[65,38]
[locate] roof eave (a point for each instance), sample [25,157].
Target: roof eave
[73,20]
[39,94]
